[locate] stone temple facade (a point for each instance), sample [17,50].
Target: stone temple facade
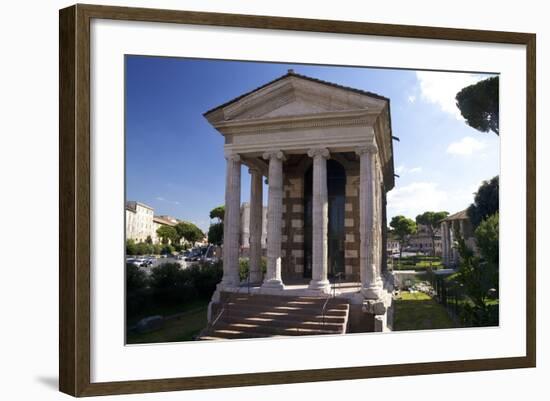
[326,153]
[456,224]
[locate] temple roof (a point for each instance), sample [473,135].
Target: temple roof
[291,73]
[462,215]
[329,113]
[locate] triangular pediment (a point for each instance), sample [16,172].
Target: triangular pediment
[294,95]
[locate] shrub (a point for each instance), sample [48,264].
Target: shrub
[136,289]
[168,249]
[172,284]
[244,266]
[136,279]
[479,277]
[143,248]
[205,277]
[157,249]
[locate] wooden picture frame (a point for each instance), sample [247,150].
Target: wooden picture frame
[74,200]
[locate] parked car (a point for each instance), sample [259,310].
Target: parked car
[133,261]
[193,256]
[142,262]
[139,262]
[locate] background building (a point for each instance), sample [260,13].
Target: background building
[456,224]
[142,224]
[139,221]
[422,241]
[158,222]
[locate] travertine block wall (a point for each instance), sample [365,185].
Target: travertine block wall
[351,226]
[293,226]
[292,263]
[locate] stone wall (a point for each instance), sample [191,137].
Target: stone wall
[351,225]
[292,264]
[292,246]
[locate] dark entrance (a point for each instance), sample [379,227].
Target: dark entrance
[336,185]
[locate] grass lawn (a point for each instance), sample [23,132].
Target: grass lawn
[182,328]
[153,308]
[419,263]
[418,311]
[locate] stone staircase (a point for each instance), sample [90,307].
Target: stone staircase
[258,315]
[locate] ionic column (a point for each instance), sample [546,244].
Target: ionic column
[256,209]
[444,242]
[274,219]
[371,283]
[319,242]
[231,222]
[447,243]
[454,251]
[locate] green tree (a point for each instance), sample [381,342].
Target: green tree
[131,247]
[431,220]
[402,229]
[486,235]
[167,249]
[215,233]
[218,213]
[479,106]
[157,249]
[485,202]
[188,231]
[167,234]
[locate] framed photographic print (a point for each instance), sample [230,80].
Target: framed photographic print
[250,200]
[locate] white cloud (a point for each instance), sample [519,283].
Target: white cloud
[401,169]
[161,199]
[466,146]
[416,198]
[411,98]
[441,88]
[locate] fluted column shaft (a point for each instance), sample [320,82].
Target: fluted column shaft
[231,226]
[319,279]
[256,209]
[371,282]
[445,240]
[274,219]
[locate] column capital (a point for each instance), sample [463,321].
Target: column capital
[233,157]
[318,152]
[277,154]
[370,148]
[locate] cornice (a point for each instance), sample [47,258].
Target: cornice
[343,118]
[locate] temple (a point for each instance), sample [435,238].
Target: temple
[326,153]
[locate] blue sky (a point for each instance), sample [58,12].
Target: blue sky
[174,158]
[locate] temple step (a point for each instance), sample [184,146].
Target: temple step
[256,316]
[292,316]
